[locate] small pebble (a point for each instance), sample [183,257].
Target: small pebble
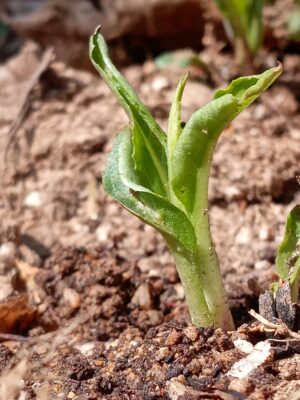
[243,236]
[8,250]
[266,234]
[33,199]
[261,265]
[162,353]
[232,192]
[102,232]
[142,297]
[159,83]
[175,389]
[86,348]
[72,298]
[191,332]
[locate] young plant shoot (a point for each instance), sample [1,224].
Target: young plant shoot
[163,179]
[288,255]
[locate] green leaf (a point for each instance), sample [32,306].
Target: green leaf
[122,183]
[288,255]
[194,148]
[293,25]
[149,140]
[175,128]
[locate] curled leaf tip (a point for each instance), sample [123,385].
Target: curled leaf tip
[97,29]
[279,66]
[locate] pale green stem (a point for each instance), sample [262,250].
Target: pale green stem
[211,278]
[203,288]
[200,273]
[190,277]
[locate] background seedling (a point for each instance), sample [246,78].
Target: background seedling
[163,179]
[280,302]
[288,258]
[243,23]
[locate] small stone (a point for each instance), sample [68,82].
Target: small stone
[266,234]
[243,236]
[6,290]
[30,256]
[33,199]
[159,83]
[243,345]
[242,386]
[157,373]
[142,297]
[179,291]
[295,134]
[175,389]
[144,264]
[102,232]
[232,192]
[259,111]
[262,265]
[173,338]
[191,332]
[162,353]
[8,250]
[86,348]
[71,395]
[154,317]
[99,363]
[71,298]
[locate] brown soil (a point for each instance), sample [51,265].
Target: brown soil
[95,305]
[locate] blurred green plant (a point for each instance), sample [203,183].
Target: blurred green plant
[182,59]
[243,21]
[3,33]
[163,179]
[293,25]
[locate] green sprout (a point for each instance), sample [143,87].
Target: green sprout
[163,179]
[243,22]
[288,255]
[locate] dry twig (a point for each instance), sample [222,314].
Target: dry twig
[280,329]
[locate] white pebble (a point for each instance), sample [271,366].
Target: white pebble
[33,199]
[243,236]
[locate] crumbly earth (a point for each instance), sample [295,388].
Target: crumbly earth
[96,308]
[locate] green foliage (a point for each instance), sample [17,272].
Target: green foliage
[293,25]
[164,179]
[244,24]
[288,256]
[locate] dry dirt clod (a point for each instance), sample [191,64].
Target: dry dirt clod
[162,353]
[71,298]
[8,277]
[8,250]
[191,332]
[175,389]
[173,338]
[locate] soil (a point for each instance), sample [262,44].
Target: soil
[91,305]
